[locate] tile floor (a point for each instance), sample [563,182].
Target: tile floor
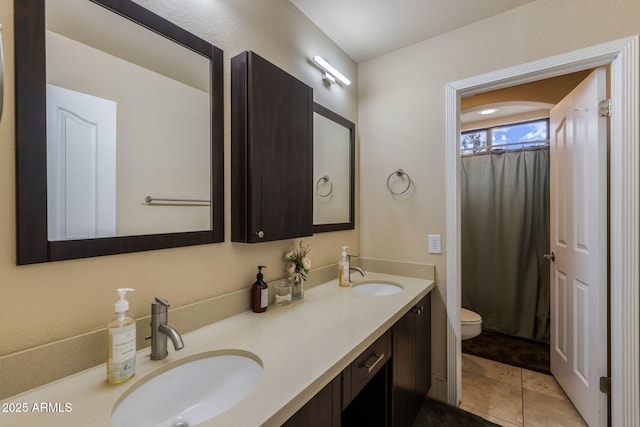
[512,396]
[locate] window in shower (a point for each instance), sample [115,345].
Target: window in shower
[512,136]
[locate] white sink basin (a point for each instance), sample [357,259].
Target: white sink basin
[189,392]
[378,288]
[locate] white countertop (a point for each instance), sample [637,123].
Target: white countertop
[302,347]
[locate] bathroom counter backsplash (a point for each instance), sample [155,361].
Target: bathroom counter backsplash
[302,347]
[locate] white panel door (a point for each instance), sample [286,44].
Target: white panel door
[578,206]
[81,165]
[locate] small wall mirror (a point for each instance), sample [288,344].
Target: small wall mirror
[119,131]
[333,171]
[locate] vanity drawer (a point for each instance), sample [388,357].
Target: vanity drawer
[365,367]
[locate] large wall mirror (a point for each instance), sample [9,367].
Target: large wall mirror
[119,131]
[333,171]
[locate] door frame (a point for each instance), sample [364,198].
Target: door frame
[624,172]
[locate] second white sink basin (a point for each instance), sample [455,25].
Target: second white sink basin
[190,392]
[378,288]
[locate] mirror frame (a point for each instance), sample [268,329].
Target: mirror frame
[31,173]
[350,225]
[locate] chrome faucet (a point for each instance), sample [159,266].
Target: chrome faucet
[160,330]
[353,267]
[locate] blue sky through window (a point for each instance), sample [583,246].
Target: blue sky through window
[528,133]
[520,132]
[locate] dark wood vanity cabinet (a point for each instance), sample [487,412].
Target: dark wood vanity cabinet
[323,410]
[271,152]
[385,385]
[357,397]
[411,362]
[365,386]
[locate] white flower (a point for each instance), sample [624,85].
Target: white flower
[297,261]
[291,268]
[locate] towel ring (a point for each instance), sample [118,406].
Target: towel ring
[400,173]
[324,180]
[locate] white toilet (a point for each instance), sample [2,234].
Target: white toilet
[471,323]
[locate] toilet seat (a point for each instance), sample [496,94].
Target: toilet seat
[469,317]
[471,324]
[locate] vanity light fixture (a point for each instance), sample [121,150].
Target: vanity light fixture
[328,78]
[331,74]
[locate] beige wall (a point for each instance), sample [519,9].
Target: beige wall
[48,302]
[401,104]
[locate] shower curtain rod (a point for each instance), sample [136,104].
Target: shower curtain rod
[486,149]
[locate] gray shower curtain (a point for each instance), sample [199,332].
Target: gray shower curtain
[505,233]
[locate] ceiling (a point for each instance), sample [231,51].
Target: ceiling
[503,109]
[365,29]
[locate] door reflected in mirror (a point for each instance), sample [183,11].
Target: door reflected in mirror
[333,171]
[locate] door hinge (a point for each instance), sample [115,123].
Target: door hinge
[604,108]
[605,385]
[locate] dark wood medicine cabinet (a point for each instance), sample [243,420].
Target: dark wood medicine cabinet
[33,245]
[280,157]
[271,152]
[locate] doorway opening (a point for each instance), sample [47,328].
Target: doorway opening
[622,55]
[506,213]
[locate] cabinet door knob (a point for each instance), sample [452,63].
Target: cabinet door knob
[260,234]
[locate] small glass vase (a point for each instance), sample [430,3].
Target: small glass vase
[297,287]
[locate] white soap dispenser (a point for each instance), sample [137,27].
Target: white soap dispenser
[343,275]
[121,360]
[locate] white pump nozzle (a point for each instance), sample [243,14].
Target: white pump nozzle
[344,251]
[122,305]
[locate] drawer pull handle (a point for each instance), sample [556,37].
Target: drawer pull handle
[378,359]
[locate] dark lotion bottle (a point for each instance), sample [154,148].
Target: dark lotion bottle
[259,293]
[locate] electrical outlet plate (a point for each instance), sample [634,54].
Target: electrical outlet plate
[434,244]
